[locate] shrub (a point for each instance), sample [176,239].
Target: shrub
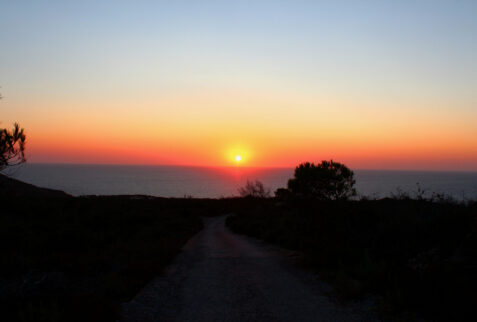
[254,189]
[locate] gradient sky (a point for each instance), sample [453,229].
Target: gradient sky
[373,84]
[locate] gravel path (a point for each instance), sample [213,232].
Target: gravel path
[222,276]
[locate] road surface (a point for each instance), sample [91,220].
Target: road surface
[222,276]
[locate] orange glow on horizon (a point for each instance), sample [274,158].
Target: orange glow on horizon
[364,137]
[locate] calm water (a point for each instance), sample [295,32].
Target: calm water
[172,181]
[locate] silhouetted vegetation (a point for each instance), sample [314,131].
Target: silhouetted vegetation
[254,189]
[12,147]
[78,259]
[327,180]
[419,257]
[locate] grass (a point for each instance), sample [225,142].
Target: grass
[418,257]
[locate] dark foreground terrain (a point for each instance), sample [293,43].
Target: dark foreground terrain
[418,257]
[67,258]
[80,259]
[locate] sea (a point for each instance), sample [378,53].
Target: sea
[208,182]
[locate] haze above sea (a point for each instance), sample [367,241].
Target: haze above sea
[204,182]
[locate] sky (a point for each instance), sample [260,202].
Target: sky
[372,84]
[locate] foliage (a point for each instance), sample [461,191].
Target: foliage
[327,180]
[78,259]
[418,257]
[254,189]
[12,147]
[283,194]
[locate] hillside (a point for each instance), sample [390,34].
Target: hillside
[10,187]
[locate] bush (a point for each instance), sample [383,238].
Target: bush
[282,194]
[78,259]
[418,257]
[254,189]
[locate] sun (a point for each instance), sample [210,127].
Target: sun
[237,155]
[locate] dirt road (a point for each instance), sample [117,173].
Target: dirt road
[222,276]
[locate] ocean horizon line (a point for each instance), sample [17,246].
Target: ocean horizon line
[240,167]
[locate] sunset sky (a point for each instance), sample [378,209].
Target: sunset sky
[373,84]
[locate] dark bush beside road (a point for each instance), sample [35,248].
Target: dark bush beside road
[78,259]
[418,257]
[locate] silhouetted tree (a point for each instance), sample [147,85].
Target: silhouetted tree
[327,180]
[12,147]
[254,189]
